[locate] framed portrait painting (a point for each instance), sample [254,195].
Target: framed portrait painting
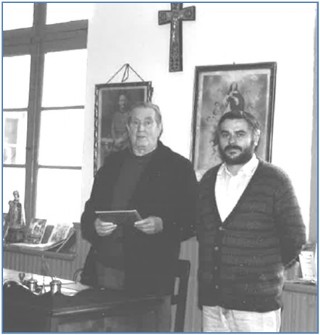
[223,88]
[112,104]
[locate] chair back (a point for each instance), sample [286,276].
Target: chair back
[180,298]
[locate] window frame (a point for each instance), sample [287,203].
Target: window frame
[36,41]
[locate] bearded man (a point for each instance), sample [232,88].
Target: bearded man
[249,229]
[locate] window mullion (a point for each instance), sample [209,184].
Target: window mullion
[34,109]
[40,16]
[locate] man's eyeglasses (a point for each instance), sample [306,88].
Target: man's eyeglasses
[135,124]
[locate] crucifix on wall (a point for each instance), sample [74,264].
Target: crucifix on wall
[175,18]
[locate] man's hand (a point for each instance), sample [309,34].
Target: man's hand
[150,225]
[104,228]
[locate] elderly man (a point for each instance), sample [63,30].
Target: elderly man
[161,186]
[249,230]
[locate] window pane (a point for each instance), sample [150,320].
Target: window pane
[64,78]
[15,137]
[16,76]
[17,15]
[64,12]
[13,180]
[61,136]
[59,195]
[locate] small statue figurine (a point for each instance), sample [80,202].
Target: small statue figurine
[15,212]
[15,221]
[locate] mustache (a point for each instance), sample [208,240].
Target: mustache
[230,147]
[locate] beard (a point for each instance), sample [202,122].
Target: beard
[243,157]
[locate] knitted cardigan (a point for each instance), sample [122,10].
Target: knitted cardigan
[242,260]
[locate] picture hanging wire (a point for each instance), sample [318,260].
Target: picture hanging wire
[126,70]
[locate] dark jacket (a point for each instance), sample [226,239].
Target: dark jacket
[242,260]
[167,189]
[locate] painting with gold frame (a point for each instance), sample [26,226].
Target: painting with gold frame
[221,88]
[112,102]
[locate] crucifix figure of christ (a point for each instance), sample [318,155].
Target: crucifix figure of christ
[175,18]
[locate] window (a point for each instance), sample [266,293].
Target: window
[63,12]
[44,76]
[17,15]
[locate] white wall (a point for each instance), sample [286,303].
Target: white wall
[222,34]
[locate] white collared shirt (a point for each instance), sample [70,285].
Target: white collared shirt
[229,188]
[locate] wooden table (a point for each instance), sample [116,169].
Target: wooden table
[78,308]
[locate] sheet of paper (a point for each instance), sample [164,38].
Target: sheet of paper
[125,217]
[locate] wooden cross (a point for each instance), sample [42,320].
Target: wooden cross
[175,17]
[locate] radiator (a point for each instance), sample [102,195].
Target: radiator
[299,312]
[59,265]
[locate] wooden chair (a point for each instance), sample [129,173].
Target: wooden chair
[179,297]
